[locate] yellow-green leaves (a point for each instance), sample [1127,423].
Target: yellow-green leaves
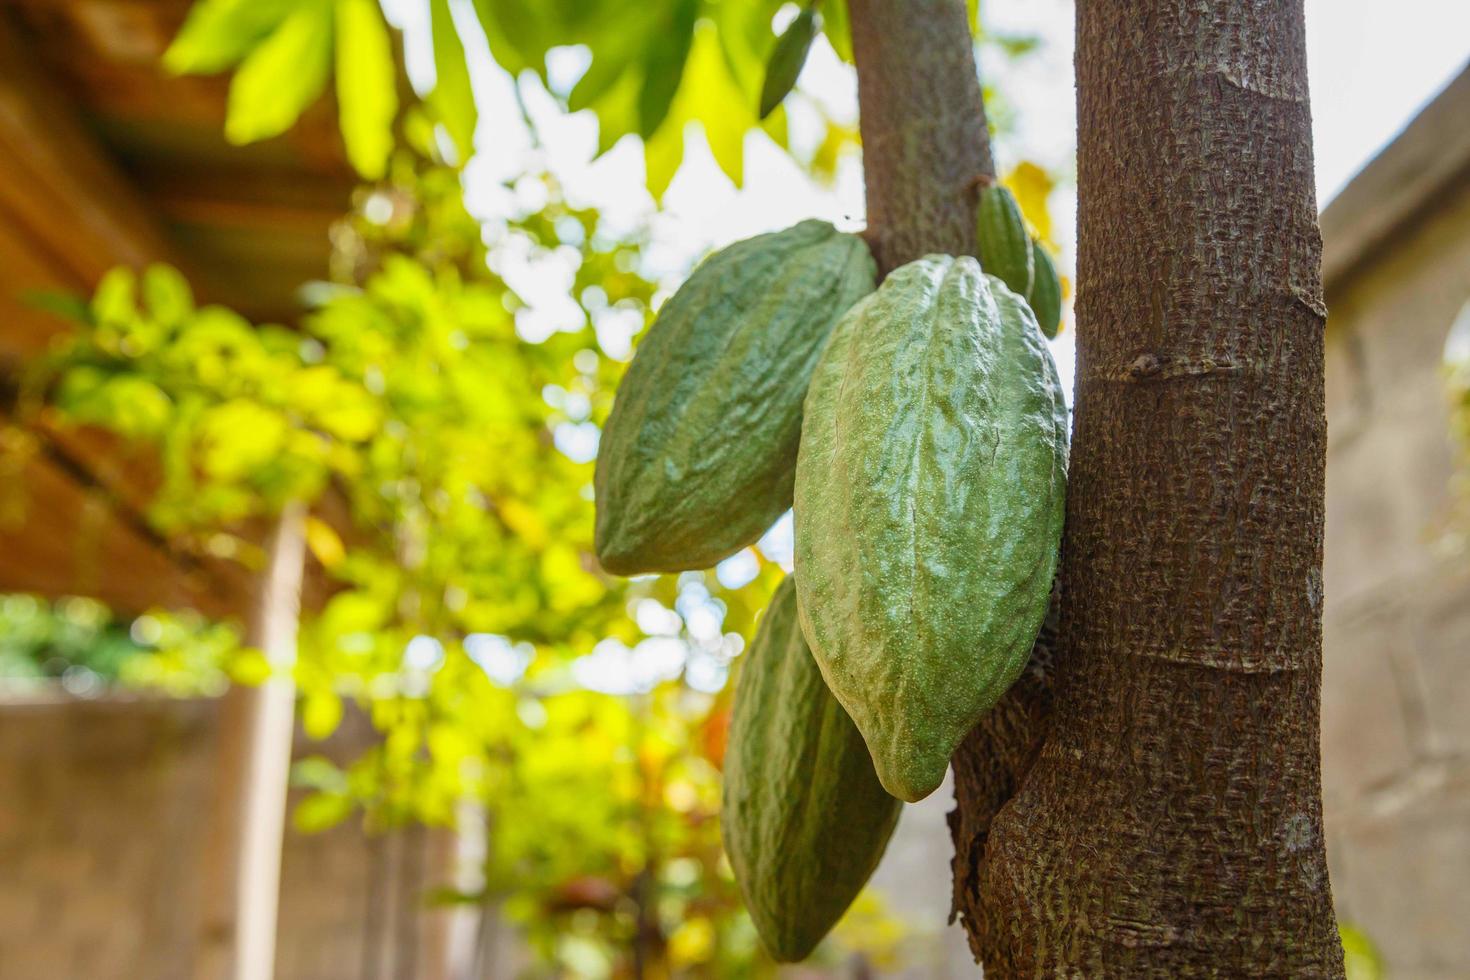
[282,76]
[836,26]
[452,100]
[367,85]
[663,65]
[218,33]
[787,58]
[657,65]
[286,50]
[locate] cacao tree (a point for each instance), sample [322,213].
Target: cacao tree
[1144,799]
[1147,803]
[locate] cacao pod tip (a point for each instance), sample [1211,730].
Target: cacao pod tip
[911,782]
[803,817]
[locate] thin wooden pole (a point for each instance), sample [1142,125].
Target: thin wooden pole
[243,863]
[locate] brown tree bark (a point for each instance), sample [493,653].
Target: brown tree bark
[1159,813]
[923,127]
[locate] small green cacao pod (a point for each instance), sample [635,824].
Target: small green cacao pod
[929,501]
[804,818]
[699,452]
[788,55]
[1045,298]
[1005,245]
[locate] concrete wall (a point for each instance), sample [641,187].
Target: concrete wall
[101,833]
[98,836]
[1396,686]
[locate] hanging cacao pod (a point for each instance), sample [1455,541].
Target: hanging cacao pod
[929,500]
[699,452]
[804,817]
[1005,245]
[1045,298]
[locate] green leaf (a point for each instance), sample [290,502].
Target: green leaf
[662,154]
[605,71]
[787,59]
[58,303]
[663,66]
[115,299]
[838,28]
[167,295]
[367,86]
[218,33]
[281,77]
[715,99]
[1361,959]
[453,98]
[617,111]
[321,713]
[745,37]
[321,811]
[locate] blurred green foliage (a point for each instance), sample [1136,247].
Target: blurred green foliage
[78,642]
[441,426]
[443,430]
[1360,956]
[656,66]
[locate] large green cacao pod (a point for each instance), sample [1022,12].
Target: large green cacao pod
[699,453]
[1005,244]
[929,497]
[1045,298]
[804,817]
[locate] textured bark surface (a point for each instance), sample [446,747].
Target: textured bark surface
[1148,802]
[923,127]
[1171,824]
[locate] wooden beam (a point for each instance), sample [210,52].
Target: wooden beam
[58,186]
[1407,178]
[242,863]
[62,533]
[67,215]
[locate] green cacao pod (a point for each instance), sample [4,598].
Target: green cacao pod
[929,499]
[787,58]
[699,453]
[804,817]
[1005,245]
[1045,298]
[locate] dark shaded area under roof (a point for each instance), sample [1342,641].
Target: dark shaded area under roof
[107,160]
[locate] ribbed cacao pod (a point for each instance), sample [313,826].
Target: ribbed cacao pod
[699,453]
[1005,245]
[1045,298]
[804,817]
[929,499]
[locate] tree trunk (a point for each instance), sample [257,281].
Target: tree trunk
[923,127]
[1164,814]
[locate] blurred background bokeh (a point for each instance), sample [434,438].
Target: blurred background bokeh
[309,317]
